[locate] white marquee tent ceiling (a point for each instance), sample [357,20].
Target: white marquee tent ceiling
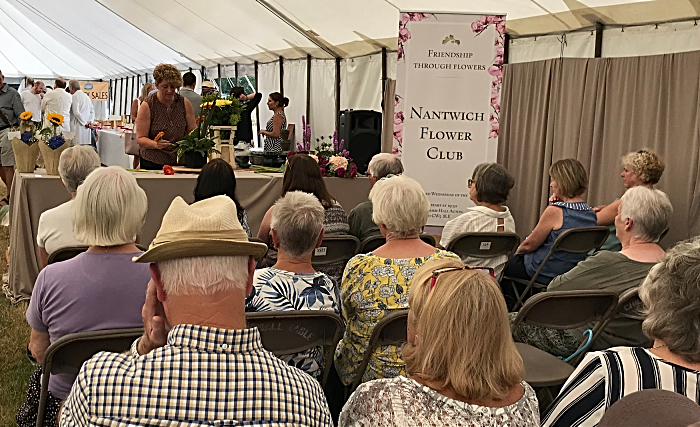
[92,39]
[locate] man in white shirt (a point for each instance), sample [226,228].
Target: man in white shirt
[82,112]
[31,99]
[58,101]
[28,84]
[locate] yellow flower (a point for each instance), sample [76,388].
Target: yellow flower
[55,118]
[222,102]
[27,115]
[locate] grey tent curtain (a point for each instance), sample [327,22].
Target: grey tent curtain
[597,110]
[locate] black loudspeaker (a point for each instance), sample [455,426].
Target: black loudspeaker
[362,132]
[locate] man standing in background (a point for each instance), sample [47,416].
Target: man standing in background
[28,84]
[10,109]
[189,81]
[31,99]
[81,113]
[58,101]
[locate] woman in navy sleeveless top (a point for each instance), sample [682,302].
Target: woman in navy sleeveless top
[567,210]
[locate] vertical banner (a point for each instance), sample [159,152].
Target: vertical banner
[448,91]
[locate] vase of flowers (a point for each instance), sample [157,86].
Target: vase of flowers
[24,144]
[196,147]
[53,143]
[333,160]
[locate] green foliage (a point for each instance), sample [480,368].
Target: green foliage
[199,140]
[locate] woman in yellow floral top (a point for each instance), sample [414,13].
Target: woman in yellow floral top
[377,283]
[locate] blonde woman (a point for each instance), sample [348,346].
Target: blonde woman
[462,365]
[147,87]
[639,168]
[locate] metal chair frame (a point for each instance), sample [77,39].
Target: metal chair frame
[473,245]
[567,241]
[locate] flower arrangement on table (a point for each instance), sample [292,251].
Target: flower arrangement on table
[332,158]
[200,140]
[51,135]
[29,130]
[226,111]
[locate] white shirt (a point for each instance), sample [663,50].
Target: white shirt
[32,103]
[56,229]
[479,219]
[81,112]
[58,101]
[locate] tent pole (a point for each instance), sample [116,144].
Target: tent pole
[235,64]
[506,48]
[308,89]
[134,91]
[109,99]
[221,89]
[257,108]
[598,40]
[383,75]
[282,76]
[122,104]
[126,104]
[203,71]
[337,94]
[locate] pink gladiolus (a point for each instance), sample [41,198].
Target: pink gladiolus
[340,145]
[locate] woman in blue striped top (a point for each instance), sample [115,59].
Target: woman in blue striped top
[671,294]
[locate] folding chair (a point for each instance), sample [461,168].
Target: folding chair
[64,254]
[371,243]
[258,260]
[484,245]
[391,330]
[335,249]
[288,332]
[67,354]
[629,307]
[575,240]
[561,310]
[427,238]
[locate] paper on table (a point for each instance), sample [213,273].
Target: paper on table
[14,134]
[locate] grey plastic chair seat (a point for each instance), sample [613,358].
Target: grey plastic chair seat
[541,368]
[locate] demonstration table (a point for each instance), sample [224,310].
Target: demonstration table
[110,147]
[33,193]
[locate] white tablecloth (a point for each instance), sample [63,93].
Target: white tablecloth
[110,147]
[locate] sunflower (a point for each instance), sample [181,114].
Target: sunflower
[27,115]
[55,118]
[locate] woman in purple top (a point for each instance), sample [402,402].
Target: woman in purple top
[99,289]
[566,210]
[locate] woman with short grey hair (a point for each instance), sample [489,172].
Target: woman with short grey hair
[293,283]
[671,295]
[377,283]
[98,289]
[55,225]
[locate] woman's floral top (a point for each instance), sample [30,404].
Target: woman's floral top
[373,287]
[276,290]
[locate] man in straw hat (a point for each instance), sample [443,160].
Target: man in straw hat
[196,363]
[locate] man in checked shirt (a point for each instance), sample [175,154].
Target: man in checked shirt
[196,363]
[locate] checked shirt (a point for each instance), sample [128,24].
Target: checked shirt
[202,377]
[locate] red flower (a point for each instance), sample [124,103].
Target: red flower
[340,172]
[353,173]
[168,170]
[323,171]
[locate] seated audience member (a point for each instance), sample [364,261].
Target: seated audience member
[360,218]
[292,283]
[196,364]
[567,210]
[488,189]
[303,174]
[641,168]
[643,215]
[55,226]
[462,365]
[218,179]
[98,289]
[377,283]
[671,295]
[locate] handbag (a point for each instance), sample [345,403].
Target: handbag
[131,147]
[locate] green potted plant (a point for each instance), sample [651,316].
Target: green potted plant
[196,147]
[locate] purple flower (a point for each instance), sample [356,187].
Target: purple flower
[335,141]
[345,153]
[323,171]
[56,141]
[340,145]
[299,147]
[26,137]
[340,172]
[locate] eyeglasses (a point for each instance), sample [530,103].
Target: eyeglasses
[439,271]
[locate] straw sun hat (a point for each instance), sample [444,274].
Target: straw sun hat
[207,228]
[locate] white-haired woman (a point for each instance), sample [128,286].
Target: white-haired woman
[292,283]
[642,218]
[99,289]
[639,168]
[671,295]
[55,225]
[377,283]
[462,365]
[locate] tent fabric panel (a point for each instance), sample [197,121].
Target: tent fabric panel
[361,83]
[574,45]
[652,40]
[322,115]
[295,90]
[269,76]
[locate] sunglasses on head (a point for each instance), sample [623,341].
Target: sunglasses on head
[439,271]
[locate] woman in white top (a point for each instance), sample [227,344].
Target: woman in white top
[55,225]
[671,295]
[488,189]
[463,367]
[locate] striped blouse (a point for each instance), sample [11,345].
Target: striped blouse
[604,377]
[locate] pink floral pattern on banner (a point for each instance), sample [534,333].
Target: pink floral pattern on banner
[496,68]
[404,34]
[398,126]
